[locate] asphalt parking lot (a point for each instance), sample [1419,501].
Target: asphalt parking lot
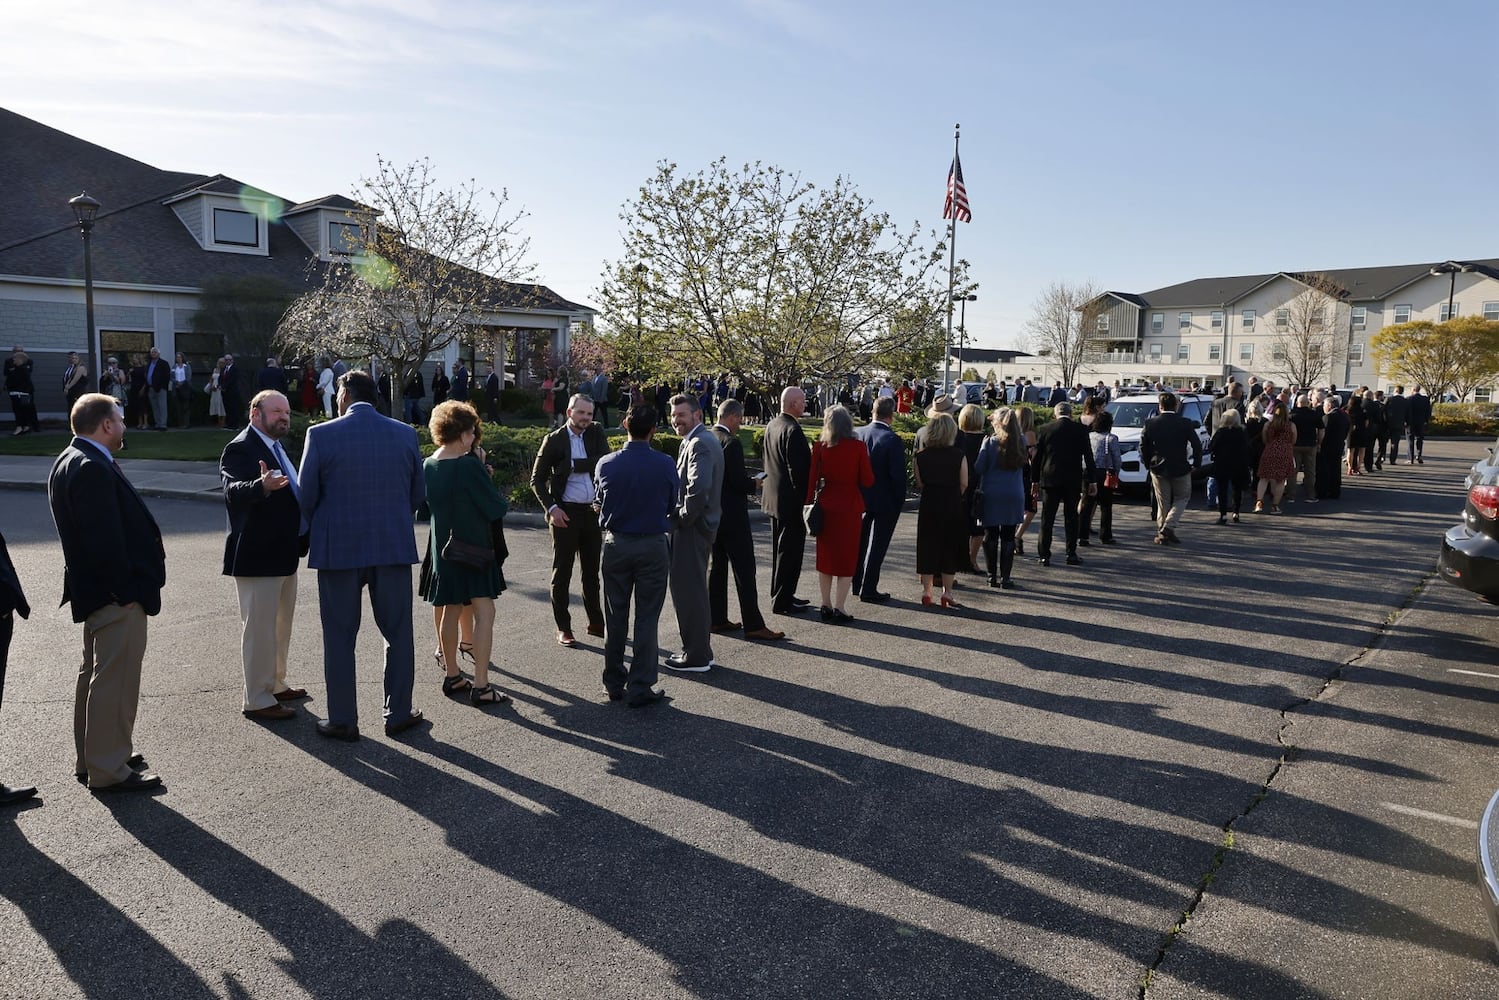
[1283,730]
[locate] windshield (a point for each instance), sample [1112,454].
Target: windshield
[1132,414]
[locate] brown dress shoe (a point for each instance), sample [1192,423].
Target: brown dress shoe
[291,694]
[723,627]
[765,634]
[270,712]
[565,638]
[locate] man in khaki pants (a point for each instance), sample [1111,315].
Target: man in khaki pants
[114,569]
[266,542]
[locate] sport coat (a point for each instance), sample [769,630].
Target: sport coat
[271,378]
[158,374]
[1063,451]
[887,456]
[1418,410]
[265,535]
[554,462]
[12,599]
[788,460]
[700,468]
[111,545]
[738,487]
[1396,412]
[1164,442]
[361,484]
[460,384]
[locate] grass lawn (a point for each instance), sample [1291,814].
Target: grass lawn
[198,444]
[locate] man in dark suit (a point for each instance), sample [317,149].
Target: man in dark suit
[1064,462]
[114,569]
[1397,411]
[460,382]
[361,483]
[562,479]
[229,391]
[734,545]
[788,460]
[12,603]
[598,388]
[492,394]
[272,377]
[1417,413]
[1171,450]
[882,501]
[266,542]
[158,386]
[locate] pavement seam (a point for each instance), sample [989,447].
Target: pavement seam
[1287,754]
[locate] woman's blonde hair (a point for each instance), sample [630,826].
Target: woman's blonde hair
[941,431]
[971,418]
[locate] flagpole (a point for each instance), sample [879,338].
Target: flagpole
[952,254]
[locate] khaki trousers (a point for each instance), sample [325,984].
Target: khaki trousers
[266,607]
[108,691]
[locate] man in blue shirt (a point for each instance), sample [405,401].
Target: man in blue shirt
[637,489]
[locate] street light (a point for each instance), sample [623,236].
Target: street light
[85,210]
[962,301]
[1453,270]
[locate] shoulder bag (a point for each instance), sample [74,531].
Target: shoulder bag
[467,554]
[812,513]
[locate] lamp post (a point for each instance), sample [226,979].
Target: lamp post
[1452,269]
[85,211]
[962,301]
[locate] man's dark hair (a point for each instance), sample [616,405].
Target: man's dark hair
[359,386]
[641,422]
[693,403]
[1167,401]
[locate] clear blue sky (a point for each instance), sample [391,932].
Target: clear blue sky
[1134,145]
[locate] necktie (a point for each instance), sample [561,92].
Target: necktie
[286,467]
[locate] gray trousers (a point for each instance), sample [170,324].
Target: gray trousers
[690,548]
[638,566]
[158,399]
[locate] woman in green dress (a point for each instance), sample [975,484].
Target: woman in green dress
[463,502]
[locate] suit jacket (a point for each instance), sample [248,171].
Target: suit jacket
[460,384]
[492,385]
[788,457]
[271,378]
[700,468]
[361,484]
[554,462]
[1418,410]
[887,455]
[265,533]
[1063,451]
[229,380]
[738,487]
[158,374]
[1396,412]
[440,386]
[111,546]
[11,597]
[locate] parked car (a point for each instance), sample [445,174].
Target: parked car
[1485,465]
[1488,865]
[1131,412]
[1470,550]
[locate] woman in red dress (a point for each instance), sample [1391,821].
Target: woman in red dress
[309,389]
[840,462]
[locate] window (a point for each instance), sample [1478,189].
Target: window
[1483,394]
[1215,352]
[1402,314]
[1277,352]
[1217,315]
[240,229]
[1184,321]
[1361,316]
[1155,352]
[1103,324]
[1157,322]
[1248,319]
[1491,311]
[1282,318]
[1246,352]
[343,237]
[1356,354]
[1183,352]
[1457,310]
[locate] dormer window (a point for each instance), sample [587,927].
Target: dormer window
[227,217]
[344,239]
[235,228]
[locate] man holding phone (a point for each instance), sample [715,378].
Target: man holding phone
[562,479]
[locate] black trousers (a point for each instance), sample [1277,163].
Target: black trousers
[1381,446]
[1396,434]
[1053,497]
[1417,434]
[875,532]
[581,540]
[1330,472]
[7,626]
[1103,502]
[734,549]
[999,546]
[788,544]
[24,408]
[1237,485]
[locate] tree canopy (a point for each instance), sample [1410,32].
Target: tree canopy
[1063,324]
[1459,355]
[1309,332]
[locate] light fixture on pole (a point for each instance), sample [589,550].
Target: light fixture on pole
[1452,269]
[85,211]
[962,301]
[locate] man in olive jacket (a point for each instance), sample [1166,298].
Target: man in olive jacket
[562,479]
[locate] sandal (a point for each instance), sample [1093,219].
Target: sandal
[467,649]
[456,685]
[441,663]
[487,695]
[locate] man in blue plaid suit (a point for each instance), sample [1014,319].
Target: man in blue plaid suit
[361,483]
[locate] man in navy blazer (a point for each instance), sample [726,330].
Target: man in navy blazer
[264,547]
[882,501]
[12,603]
[114,566]
[361,483]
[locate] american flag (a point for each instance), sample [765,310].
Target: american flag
[956,205]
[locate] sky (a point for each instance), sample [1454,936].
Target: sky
[1132,145]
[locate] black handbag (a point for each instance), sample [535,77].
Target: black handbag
[812,513]
[467,554]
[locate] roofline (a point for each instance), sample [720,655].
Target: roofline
[68,227]
[198,190]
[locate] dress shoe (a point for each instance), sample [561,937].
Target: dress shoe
[596,630]
[335,731]
[648,698]
[136,762]
[11,795]
[765,634]
[798,602]
[396,728]
[841,617]
[291,694]
[615,695]
[825,613]
[1044,560]
[676,662]
[794,609]
[139,781]
[724,627]
[1005,583]
[565,638]
[1074,560]
[277,711]
[875,597]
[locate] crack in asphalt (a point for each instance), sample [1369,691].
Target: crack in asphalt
[1287,754]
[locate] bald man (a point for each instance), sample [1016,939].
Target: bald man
[788,460]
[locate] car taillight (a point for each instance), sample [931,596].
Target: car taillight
[1485,500]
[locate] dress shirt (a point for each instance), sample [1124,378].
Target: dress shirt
[637,490]
[180,374]
[579,488]
[287,468]
[108,455]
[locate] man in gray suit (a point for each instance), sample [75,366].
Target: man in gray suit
[700,468]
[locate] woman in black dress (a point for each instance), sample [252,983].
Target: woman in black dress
[941,528]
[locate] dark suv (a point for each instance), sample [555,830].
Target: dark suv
[1470,550]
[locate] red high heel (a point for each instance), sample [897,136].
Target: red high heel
[948,602]
[926,600]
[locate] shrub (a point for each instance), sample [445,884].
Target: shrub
[521,402]
[1464,420]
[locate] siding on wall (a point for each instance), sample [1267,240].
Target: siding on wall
[191,214]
